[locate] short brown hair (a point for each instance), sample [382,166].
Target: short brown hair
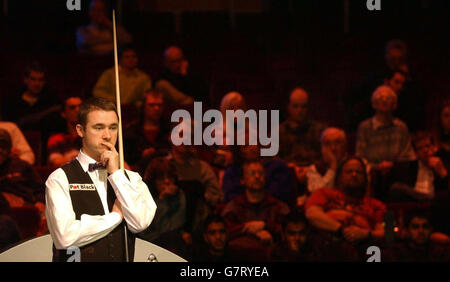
[94,104]
[420,136]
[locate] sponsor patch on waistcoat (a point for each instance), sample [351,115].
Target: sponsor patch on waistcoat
[82,187]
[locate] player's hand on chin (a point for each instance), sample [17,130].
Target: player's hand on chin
[110,157]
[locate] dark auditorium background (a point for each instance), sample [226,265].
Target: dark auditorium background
[260,48]
[263,51]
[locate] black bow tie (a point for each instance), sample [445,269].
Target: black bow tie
[95,166]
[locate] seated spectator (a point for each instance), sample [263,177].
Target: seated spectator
[133,82]
[294,246]
[395,80]
[31,104]
[19,182]
[334,149]
[420,179]
[149,135]
[395,73]
[169,198]
[443,134]
[178,84]
[277,175]
[383,139]
[440,213]
[199,182]
[64,144]
[189,167]
[9,232]
[254,217]
[97,37]
[418,246]
[345,219]
[214,247]
[224,155]
[300,135]
[20,147]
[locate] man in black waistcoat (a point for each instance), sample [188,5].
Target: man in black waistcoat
[89,200]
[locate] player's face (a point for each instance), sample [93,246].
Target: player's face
[100,126]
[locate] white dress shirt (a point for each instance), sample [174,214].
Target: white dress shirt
[138,206]
[316,180]
[425,179]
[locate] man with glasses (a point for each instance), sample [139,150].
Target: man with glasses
[384,139]
[419,180]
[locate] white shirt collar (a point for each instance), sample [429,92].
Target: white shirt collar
[85,160]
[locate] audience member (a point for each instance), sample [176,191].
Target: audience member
[29,106]
[294,245]
[300,135]
[20,147]
[254,217]
[440,213]
[170,200]
[97,37]
[149,135]
[396,74]
[199,182]
[19,182]
[420,179]
[9,232]
[223,158]
[133,82]
[190,167]
[277,175]
[418,246]
[64,144]
[214,247]
[178,84]
[345,219]
[383,139]
[334,148]
[443,133]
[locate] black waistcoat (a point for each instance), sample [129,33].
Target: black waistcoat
[84,201]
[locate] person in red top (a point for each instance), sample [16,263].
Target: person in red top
[345,218]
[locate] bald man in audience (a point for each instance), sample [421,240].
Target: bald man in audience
[178,84]
[232,101]
[300,135]
[384,139]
